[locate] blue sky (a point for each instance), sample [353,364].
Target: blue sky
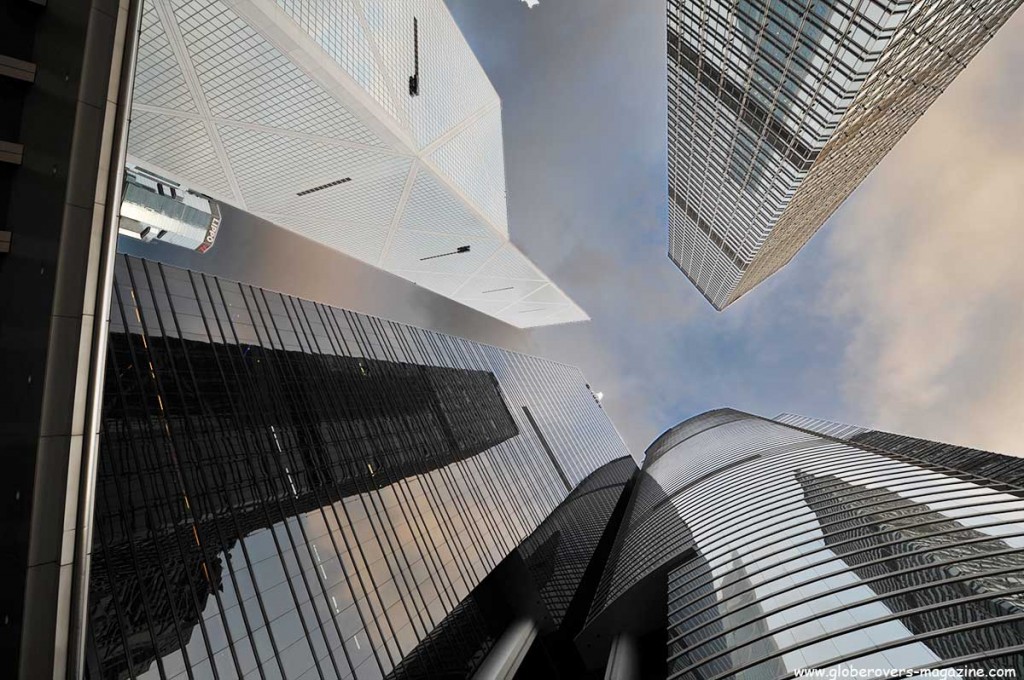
[583,90]
[904,313]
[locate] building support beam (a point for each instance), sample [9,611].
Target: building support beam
[117,110]
[508,652]
[11,152]
[59,199]
[623,659]
[18,69]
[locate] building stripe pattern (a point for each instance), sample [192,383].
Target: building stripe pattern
[778,109]
[794,550]
[292,490]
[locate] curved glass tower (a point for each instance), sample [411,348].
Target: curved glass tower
[755,549]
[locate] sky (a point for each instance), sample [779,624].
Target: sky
[904,313]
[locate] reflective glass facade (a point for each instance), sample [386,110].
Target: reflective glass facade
[778,549]
[779,108]
[367,126]
[289,490]
[549,578]
[1007,469]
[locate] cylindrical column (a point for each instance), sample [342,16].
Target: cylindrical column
[508,652]
[623,661]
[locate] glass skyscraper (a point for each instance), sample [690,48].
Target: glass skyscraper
[291,490]
[778,109]
[367,126]
[754,548]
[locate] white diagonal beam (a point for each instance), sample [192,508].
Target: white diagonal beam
[399,210]
[188,70]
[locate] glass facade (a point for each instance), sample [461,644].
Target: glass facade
[793,550]
[778,109]
[289,490]
[300,112]
[546,579]
[1009,469]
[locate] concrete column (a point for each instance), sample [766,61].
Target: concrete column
[623,660]
[508,652]
[50,286]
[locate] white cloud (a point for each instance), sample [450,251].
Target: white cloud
[929,260]
[531,3]
[636,370]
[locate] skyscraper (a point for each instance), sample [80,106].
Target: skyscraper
[365,125]
[778,109]
[754,548]
[292,490]
[1004,468]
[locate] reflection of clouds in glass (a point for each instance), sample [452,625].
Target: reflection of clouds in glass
[995,513]
[221,539]
[392,556]
[382,551]
[793,577]
[807,554]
